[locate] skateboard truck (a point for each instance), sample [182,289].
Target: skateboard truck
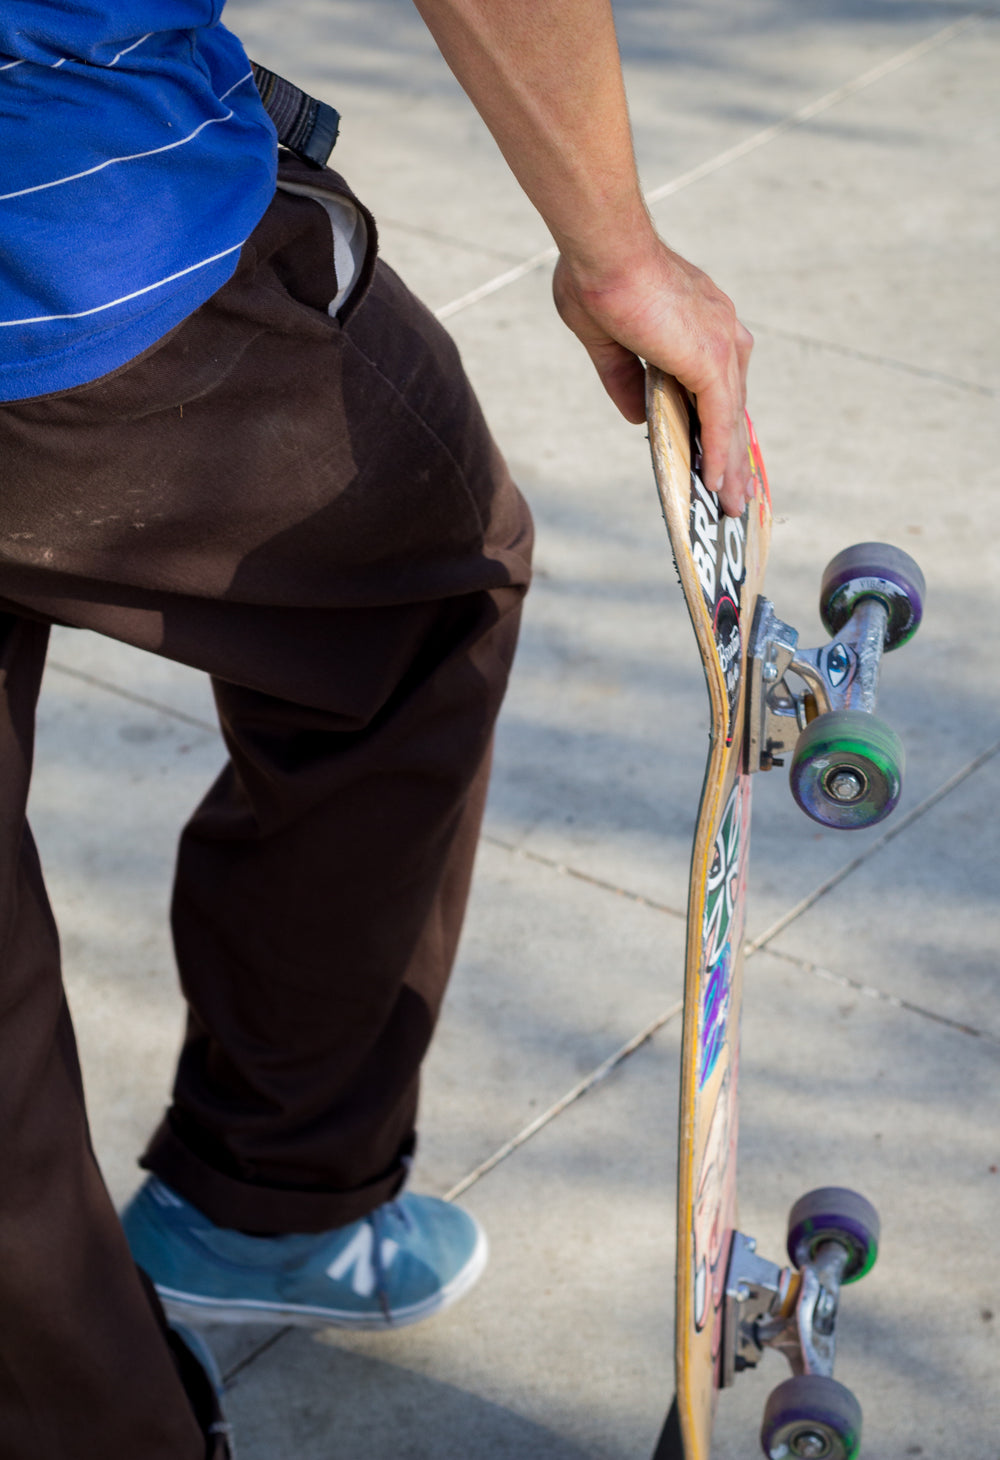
[775,1307]
[832,1240]
[847,764]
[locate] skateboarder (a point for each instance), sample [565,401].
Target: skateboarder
[231,436]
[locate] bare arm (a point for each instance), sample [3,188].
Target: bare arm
[546,78]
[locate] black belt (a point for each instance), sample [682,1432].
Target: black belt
[305,126]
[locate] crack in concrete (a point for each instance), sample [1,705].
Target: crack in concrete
[483,250]
[870,358]
[564,870]
[127,694]
[601,1072]
[871,992]
[895,830]
[257,1353]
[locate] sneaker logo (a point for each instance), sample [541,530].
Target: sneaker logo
[359,1255]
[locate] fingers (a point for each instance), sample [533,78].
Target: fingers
[736,488]
[726,461]
[623,377]
[669,313]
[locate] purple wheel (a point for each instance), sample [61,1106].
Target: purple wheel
[811,1418]
[874,570]
[847,769]
[834,1214]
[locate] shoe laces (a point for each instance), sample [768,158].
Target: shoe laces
[378,1219]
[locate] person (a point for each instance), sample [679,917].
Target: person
[231,436]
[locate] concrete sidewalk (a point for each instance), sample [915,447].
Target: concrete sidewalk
[834,167]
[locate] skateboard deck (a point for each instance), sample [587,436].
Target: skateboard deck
[845,771]
[720,562]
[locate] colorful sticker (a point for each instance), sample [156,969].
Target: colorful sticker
[839,665]
[717,547]
[715,1196]
[762,490]
[714,1024]
[724,885]
[722,932]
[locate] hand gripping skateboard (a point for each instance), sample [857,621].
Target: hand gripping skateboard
[770,700]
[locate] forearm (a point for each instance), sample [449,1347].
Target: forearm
[546,78]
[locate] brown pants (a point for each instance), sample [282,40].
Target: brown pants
[312,511]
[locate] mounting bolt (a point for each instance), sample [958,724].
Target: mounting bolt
[845,784]
[810,1446]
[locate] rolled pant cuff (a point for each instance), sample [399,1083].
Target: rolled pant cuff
[244,1207]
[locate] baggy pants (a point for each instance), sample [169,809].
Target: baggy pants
[312,511]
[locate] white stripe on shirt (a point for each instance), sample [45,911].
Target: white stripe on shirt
[133,157]
[130,48]
[83,313]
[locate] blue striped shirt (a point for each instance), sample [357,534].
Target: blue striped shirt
[135,159]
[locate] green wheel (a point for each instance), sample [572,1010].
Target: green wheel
[847,769]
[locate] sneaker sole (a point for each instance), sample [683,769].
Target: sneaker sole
[194,1308]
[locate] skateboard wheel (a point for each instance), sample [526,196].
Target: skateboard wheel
[834,1214]
[847,769]
[874,570]
[811,1417]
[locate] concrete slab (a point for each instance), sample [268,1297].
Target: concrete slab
[839,1088]
[554,974]
[132,674]
[113,784]
[899,1088]
[854,427]
[862,448]
[606,674]
[858,454]
[437,269]
[921,920]
[564,1348]
[410,143]
[700,80]
[607,686]
[871,227]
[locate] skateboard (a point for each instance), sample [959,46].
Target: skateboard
[770,701]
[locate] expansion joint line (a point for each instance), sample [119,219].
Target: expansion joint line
[804,965]
[843,980]
[741,149]
[869,357]
[898,826]
[564,870]
[595,1077]
[134,699]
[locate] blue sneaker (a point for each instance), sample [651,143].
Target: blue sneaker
[406,1260]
